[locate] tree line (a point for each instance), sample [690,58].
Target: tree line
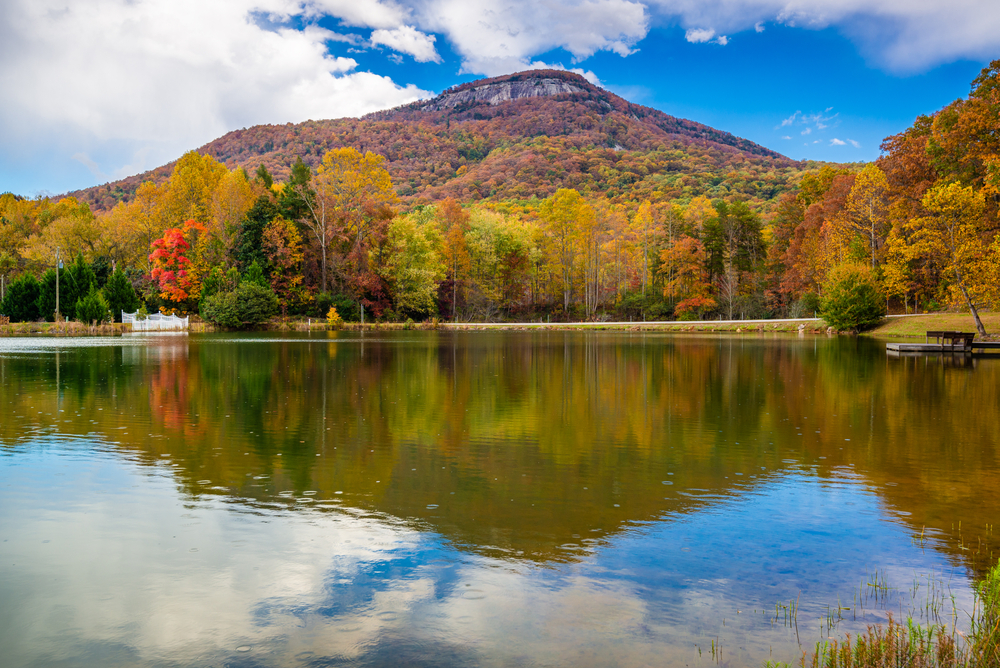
[918,226]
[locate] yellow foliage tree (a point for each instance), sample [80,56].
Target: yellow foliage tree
[953,235]
[351,202]
[864,216]
[565,214]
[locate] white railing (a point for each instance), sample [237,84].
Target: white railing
[155,322]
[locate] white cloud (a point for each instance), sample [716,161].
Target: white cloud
[901,35]
[759,26]
[164,76]
[499,37]
[360,13]
[703,35]
[788,121]
[811,122]
[699,35]
[410,41]
[854,143]
[837,142]
[786,137]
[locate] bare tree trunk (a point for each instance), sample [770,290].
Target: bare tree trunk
[973,309]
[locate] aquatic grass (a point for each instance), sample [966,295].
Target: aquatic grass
[912,645]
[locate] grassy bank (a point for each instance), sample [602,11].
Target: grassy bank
[787,326]
[918,325]
[65,328]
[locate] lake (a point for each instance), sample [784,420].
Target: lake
[483,498]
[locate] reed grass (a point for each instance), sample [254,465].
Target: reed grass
[912,645]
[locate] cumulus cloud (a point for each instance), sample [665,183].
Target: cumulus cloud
[163,76]
[410,41]
[900,35]
[359,13]
[501,36]
[703,35]
[699,35]
[837,142]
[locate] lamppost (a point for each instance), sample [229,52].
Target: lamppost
[56,314]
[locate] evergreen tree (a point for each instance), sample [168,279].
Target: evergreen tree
[92,307]
[74,283]
[120,295]
[264,176]
[47,296]
[248,239]
[254,274]
[101,266]
[293,197]
[20,303]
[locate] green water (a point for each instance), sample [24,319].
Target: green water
[494,499]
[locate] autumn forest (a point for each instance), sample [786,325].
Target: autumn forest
[573,206]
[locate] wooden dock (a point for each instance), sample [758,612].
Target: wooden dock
[975,348]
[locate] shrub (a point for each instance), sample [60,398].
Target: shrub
[333,318]
[20,303]
[248,304]
[694,308]
[346,306]
[853,299]
[92,307]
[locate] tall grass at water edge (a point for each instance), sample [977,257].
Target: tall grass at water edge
[912,645]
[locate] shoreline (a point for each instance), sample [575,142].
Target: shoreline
[903,326]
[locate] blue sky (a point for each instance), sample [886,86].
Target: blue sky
[102,89]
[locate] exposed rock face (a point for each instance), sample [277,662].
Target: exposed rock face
[495,93]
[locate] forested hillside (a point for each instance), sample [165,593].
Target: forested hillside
[614,218]
[575,135]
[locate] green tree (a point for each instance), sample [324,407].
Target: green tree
[20,303]
[47,295]
[250,232]
[120,295]
[74,283]
[254,274]
[853,300]
[264,176]
[92,308]
[414,267]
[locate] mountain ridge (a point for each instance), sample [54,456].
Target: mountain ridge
[511,137]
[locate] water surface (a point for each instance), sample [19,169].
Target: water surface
[494,499]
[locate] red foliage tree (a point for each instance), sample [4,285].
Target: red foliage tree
[171,266]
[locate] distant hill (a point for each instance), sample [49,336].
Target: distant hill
[514,137]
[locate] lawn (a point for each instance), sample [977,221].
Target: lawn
[918,325]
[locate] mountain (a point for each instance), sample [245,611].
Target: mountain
[514,137]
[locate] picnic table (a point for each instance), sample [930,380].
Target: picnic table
[955,340]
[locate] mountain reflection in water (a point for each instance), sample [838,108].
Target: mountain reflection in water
[427,497]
